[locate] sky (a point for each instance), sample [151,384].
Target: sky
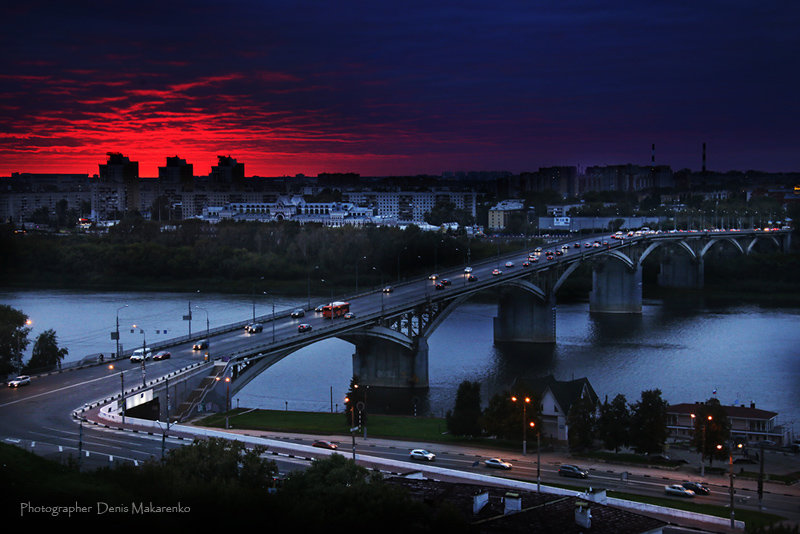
[399,88]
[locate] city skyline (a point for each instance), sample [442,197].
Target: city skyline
[380,91]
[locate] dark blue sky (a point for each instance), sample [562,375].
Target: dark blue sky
[400,88]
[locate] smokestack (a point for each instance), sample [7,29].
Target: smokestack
[653,158]
[704,157]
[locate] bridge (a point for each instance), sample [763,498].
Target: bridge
[390,327]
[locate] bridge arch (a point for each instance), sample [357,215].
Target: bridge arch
[681,245]
[722,241]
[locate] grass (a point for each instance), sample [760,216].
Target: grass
[414,429]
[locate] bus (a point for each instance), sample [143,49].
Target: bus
[335,309]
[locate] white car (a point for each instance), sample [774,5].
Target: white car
[433,277]
[422,454]
[509,264]
[677,489]
[21,380]
[467,270]
[141,354]
[497,463]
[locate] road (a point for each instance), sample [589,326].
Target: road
[37,418]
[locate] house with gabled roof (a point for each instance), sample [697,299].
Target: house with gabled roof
[556,397]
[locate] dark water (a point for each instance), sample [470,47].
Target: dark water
[686,349]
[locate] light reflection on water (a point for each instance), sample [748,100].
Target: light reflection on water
[746,353]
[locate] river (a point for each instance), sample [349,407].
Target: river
[688,350]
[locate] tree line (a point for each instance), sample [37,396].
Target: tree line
[612,425]
[14,330]
[232,255]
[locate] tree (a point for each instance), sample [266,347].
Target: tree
[649,422]
[464,419]
[711,428]
[13,338]
[46,354]
[355,396]
[614,423]
[219,463]
[581,423]
[505,417]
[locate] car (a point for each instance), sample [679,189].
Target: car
[467,270]
[299,312]
[569,470]
[472,278]
[305,327]
[535,259]
[696,487]
[141,354]
[388,289]
[21,380]
[200,345]
[162,355]
[445,281]
[497,463]
[322,444]
[538,250]
[349,315]
[526,264]
[678,490]
[497,272]
[439,285]
[422,454]
[433,277]
[319,308]
[254,328]
[576,245]
[509,264]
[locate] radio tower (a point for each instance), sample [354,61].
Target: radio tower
[704,158]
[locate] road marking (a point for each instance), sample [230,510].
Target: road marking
[79,384]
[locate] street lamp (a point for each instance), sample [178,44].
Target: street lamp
[703,446]
[538,458]
[358,260]
[273,315]
[144,354]
[524,402]
[730,474]
[116,334]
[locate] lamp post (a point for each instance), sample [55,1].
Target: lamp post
[358,260]
[703,446]
[538,459]
[524,402]
[208,350]
[730,475]
[116,334]
[144,354]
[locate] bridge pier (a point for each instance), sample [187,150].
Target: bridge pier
[385,363]
[524,317]
[681,271]
[616,288]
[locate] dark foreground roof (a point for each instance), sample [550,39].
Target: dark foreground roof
[540,512]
